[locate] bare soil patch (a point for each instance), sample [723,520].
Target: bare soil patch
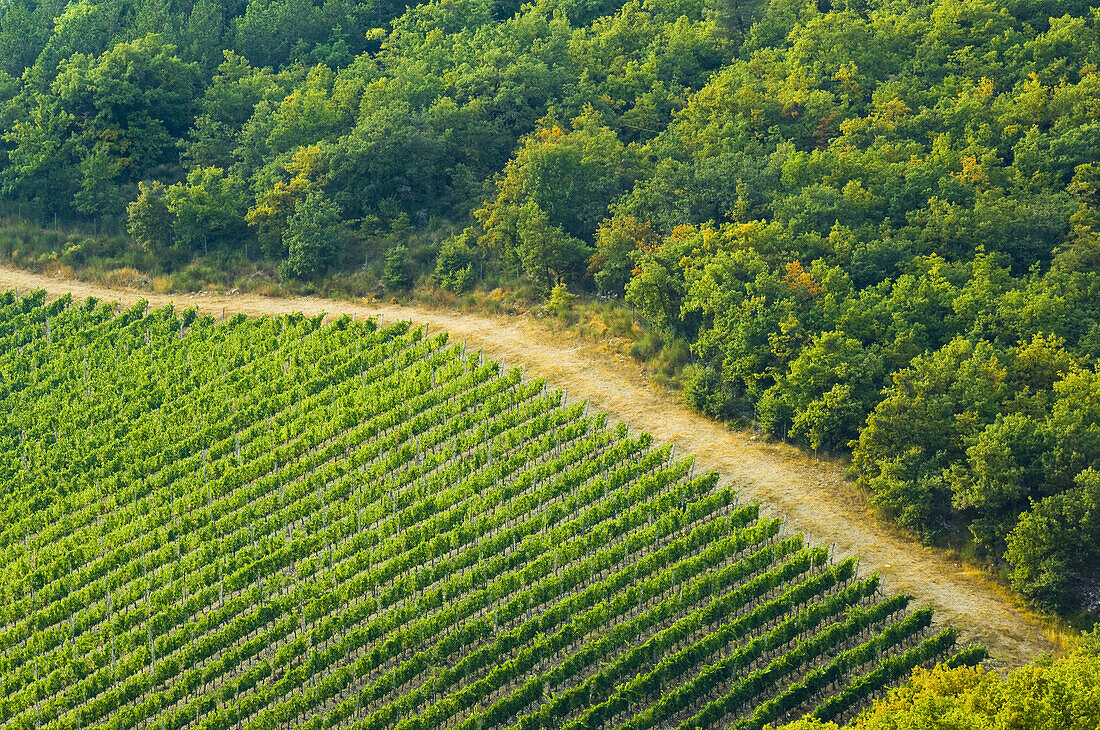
[811,493]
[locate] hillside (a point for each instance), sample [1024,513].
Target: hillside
[869,227]
[267,521]
[811,495]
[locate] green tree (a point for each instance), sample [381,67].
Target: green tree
[44,156]
[1054,550]
[396,271]
[390,162]
[277,201]
[548,253]
[276,32]
[659,285]
[137,99]
[552,195]
[24,30]
[86,28]
[99,193]
[734,18]
[149,220]
[616,241]
[571,176]
[1075,424]
[1081,249]
[920,428]
[311,237]
[202,37]
[454,265]
[209,207]
[229,101]
[1002,474]
[828,390]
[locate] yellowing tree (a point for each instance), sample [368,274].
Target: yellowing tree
[1063,694]
[275,205]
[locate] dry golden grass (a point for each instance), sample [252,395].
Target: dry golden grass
[126,278]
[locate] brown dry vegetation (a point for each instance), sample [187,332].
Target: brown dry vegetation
[810,492]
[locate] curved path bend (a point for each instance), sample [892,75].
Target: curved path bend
[811,493]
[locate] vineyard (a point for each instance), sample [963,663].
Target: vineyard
[287,522]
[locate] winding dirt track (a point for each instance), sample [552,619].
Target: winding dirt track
[812,494]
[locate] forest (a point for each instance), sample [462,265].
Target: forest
[875,223]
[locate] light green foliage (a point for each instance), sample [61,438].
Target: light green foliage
[1063,693]
[454,266]
[85,28]
[827,391]
[43,156]
[208,208]
[181,490]
[228,102]
[1075,420]
[560,301]
[658,287]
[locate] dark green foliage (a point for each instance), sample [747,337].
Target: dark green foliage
[311,237]
[617,240]
[24,30]
[734,18]
[704,391]
[396,274]
[1056,545]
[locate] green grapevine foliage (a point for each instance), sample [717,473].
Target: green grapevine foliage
[265,523]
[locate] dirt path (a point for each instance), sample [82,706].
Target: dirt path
[812,494]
